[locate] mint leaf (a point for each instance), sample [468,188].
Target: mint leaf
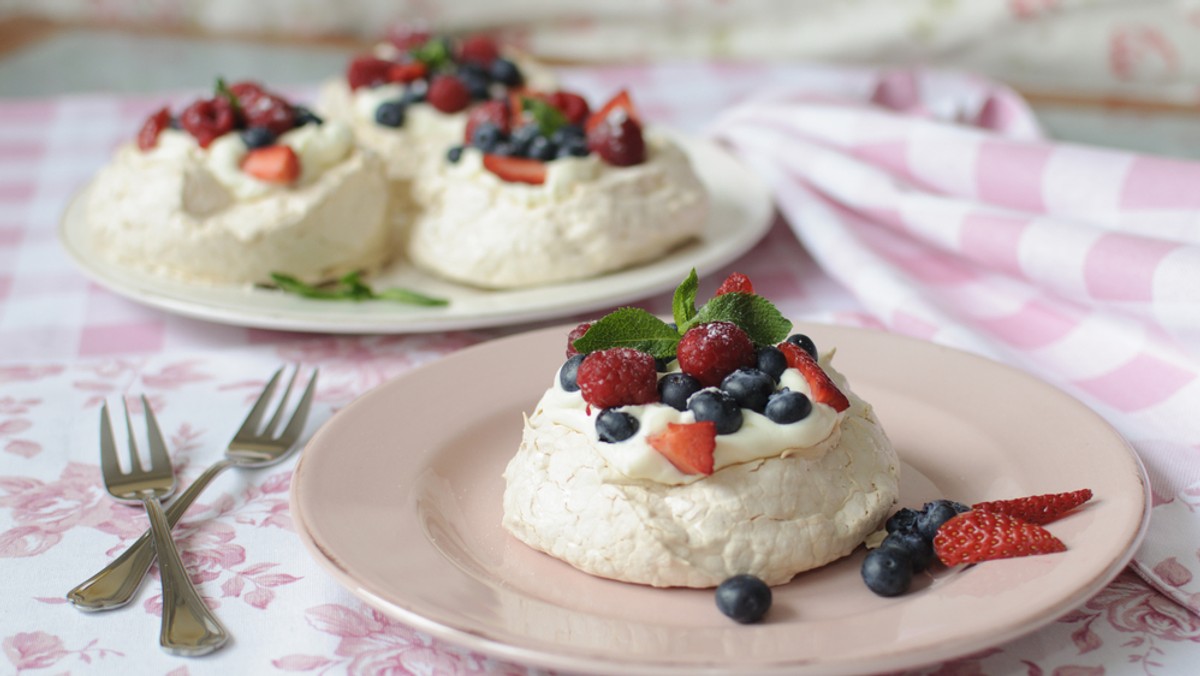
[630,327]
[411,297]
[683,304]
[548,118]
[351,287]
[435,54]
[754,314]
[223,90]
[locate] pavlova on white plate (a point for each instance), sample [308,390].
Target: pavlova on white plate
[686,454]
[237,186]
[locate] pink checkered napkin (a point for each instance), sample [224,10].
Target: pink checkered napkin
[934,198]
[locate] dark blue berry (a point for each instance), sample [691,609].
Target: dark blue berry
[486,136]
[415,91]
[917,550]
[936,513]
[477,81]
[613,425]
[454,154]
[675,388]
[744,598]
[771,361]
[302,116]
[904,520]
[504,147]
[173,123]
[523,136]
[391,113]
[786,407]
[887,572]
[573,147]
[566,133]
[258,137]
[750,388]
[718,407]
[506,73]
[804,342]
[540,148]
[661,364]
[566,374]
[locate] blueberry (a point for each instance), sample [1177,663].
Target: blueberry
[613,426]
[887,572]
[936,513]
[904,520]
[454,154]
[718,407]
[523,137]
[567,132]
[786,407]
[917,549]
[506,73]
[503,147]
[771,361]
[391,113]
[566,374]
[541,148]
[302,116]
[744,598]
[573,147]
[661,364]
[415,91]
[486,136]
[675,388]
[173,123]
[257,137]
[477,82]
[804,342]
[749,388]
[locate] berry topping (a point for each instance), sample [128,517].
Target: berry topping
[208,119]
[569,372]
[516,169]
[368,71]
[709,352]
[675,388]
[613,426]
[272,164]
[804,342]
[934,514]
[572,105]
[571,141]
[903,520]
[454,154]
[786,407]
[749,387]
[246,92]
[744,598]
[478,49]
[771,361]
[977,536]
[689,446]
[147,136]
[887,571]
[258,137]
[542,149]
[618,376]
[391,113]
[523,136]
[305,116]
[915,549]
[618,143]
[575,334]
[718,407]
[618,107]
[1039,509]
[448,94]
[487,137]
[406,37]
[407,72]
[491,112]
[506,73]
[735,282]
[824,391]
[476,79]
[270,111]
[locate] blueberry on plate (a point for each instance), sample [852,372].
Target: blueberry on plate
[786,407]
[613,426]
[804,342]
[675,388]
[569,371]
[935,514]
[718,407]
[391,113]
[916,549]
[744,598]
[257,137]
[749,387]
[771,361]
[904,520]
[887,572]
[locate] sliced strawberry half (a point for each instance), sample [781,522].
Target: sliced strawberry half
[368,71]
[407,72]
[975,536]
[619,102]
[824,391]
[1039,509]
[736,282]
[689,446]
[273,164]
[516,169]
[147,136]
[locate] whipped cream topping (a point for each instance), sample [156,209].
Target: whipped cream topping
[562,175]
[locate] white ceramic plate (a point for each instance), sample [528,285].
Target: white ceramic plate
[399,497]
[741,213]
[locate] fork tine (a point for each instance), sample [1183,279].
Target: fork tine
[159,460]
[109,465]
[270,428]
[250,427]
[296,425]
[135,459]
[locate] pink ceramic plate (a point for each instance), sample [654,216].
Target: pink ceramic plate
[399,497]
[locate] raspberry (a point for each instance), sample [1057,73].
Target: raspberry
[495,111]
[269,111]
[736,282]
[618,376]
[448,94]
[575,334]
[478,49]
[407,36]
[368,71]
[711,351]
[572,105]
[246,92]
[147,136]
[207,119]
[618,142]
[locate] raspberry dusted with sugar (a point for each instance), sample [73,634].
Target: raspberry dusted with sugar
[711,351]
[618,376]
[575,334]
[736,282]
[448,94]
[208,119]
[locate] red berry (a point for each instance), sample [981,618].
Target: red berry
[618,141]
[711,351]
[976,536]
[270,111]
[479,49]
[516,169]
[407,72]
[1039,509]
[406,37]
[622,103]
[273,164]
[575,334]
[246,92]
[147,136]
[207,119]
[736,282]
[572,105]
[618,376]
[495,111]
[689,446]
[448,94]
[368,71]
[824,391]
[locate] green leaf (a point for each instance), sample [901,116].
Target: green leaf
[351,287]
[683,305]
[411,297]
[548,118]
[224,91]
[435,54]
[756,316]
[630,327]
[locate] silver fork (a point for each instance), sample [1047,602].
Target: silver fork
[118,582]
[188,626]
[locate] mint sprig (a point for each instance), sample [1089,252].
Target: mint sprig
[548,118]
[434,53]
[683,304]
[351,287]
[630,327]
[755,314]
[225,92]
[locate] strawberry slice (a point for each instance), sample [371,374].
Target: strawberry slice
[823,389]
[516,169]
[367,71]
[147,136]
[619,102]
[976,536]
[1039,509]
[407,72]
[736,282]
[272,164]
[689,446]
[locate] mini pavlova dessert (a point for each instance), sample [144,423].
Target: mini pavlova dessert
[239,186]
[544,191]
[689,454]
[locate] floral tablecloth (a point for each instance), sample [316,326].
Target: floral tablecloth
[66,345]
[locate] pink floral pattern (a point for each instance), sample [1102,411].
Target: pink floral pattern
[27,651]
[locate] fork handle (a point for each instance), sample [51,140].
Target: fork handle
[118,582]
[188,626]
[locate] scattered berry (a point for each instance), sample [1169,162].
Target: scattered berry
[258,137]
[272,164]
[368,71]
[709,352]
[744,598]
[573,106]
[147,136]
[1039,509]
[689,446]
[771,361]
[208,119]
[270,111]
[824,391]
[618,376]
[916,550]
[391,113]
[786,407]
[887,571]
[516,169]
[749,387]
[506,73]
[977,536]
[619,143]
[735,282]
[804,342]
[904,520]
[478,49]
[407,72]
[718,407]
[493,112]
[613,426]
[569,371]
[448,94]
[936,513]
[575,334]
[675,388]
